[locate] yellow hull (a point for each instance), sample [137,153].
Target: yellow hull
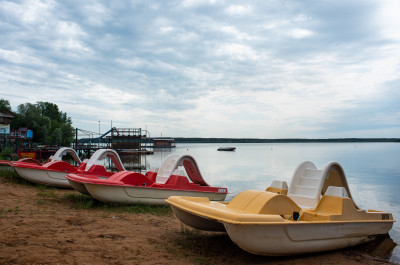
[281,240]
[272,224]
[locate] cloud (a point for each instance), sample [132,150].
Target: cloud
[301,33]
[208,68]
[239,10]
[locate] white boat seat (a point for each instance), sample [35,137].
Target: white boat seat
[101,154]
[62,152]
[309,184]
[278,186]
[171,164]
[337,191]
[305,188]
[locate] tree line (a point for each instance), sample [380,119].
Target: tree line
[50,126]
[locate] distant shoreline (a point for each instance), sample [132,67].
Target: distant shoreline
[259,140]
[255,140]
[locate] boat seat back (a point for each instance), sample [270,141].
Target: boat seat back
[60,166]
[263,202]
[167,168]
[151,175]
[173,161]
[102,154]
[306,184]
[278,186]
[337,191]
[309,183]
[178,181]
[98,170]
[334,208]
[63,151]
[330,205]
[132,178]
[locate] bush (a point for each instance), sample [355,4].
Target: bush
[6,154]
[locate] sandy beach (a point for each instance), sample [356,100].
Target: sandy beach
[41,225]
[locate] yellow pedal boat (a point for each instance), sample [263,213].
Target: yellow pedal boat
[316,213]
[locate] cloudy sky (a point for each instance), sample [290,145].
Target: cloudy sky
[208,68]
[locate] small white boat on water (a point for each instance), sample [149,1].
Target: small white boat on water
[53,172]
[316,213]
[226,148]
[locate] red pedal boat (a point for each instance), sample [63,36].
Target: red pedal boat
[127,187]
[53,172]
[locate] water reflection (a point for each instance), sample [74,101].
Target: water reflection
[382,246]
[133,162]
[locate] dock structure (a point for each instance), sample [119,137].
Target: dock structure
[133,140]
[164,143]
[126,138]
[129,143]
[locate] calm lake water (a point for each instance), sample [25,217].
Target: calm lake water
[372,169]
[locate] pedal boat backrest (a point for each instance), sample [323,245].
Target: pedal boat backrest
[102,154]
[309,183]
[63,151]
[171,164]
[278,186]
[336,205]
[263,202]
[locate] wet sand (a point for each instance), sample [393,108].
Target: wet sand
[41,226]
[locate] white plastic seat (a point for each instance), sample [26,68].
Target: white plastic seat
[102,154]
[167,168]
[337,191]
[309,183]
[171,164]
[63,151]
[305,187]
[279,184]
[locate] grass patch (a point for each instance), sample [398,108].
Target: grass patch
[4,211]
[47,192]
[81,201]
[47,195]
[8,174]
[144,208]
[187,237]
[188,232]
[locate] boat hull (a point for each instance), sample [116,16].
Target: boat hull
[78,186]
[197,221]
[46,177]
[154,196]
[298,238]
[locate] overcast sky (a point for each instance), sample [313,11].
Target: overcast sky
[208,68]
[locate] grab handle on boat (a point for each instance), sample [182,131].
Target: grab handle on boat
[296,216]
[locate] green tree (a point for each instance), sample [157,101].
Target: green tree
[5,105]
[48,123]
[56,136]
[50,110]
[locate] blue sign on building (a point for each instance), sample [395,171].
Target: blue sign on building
[29,134]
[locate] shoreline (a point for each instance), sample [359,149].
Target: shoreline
[43,225]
